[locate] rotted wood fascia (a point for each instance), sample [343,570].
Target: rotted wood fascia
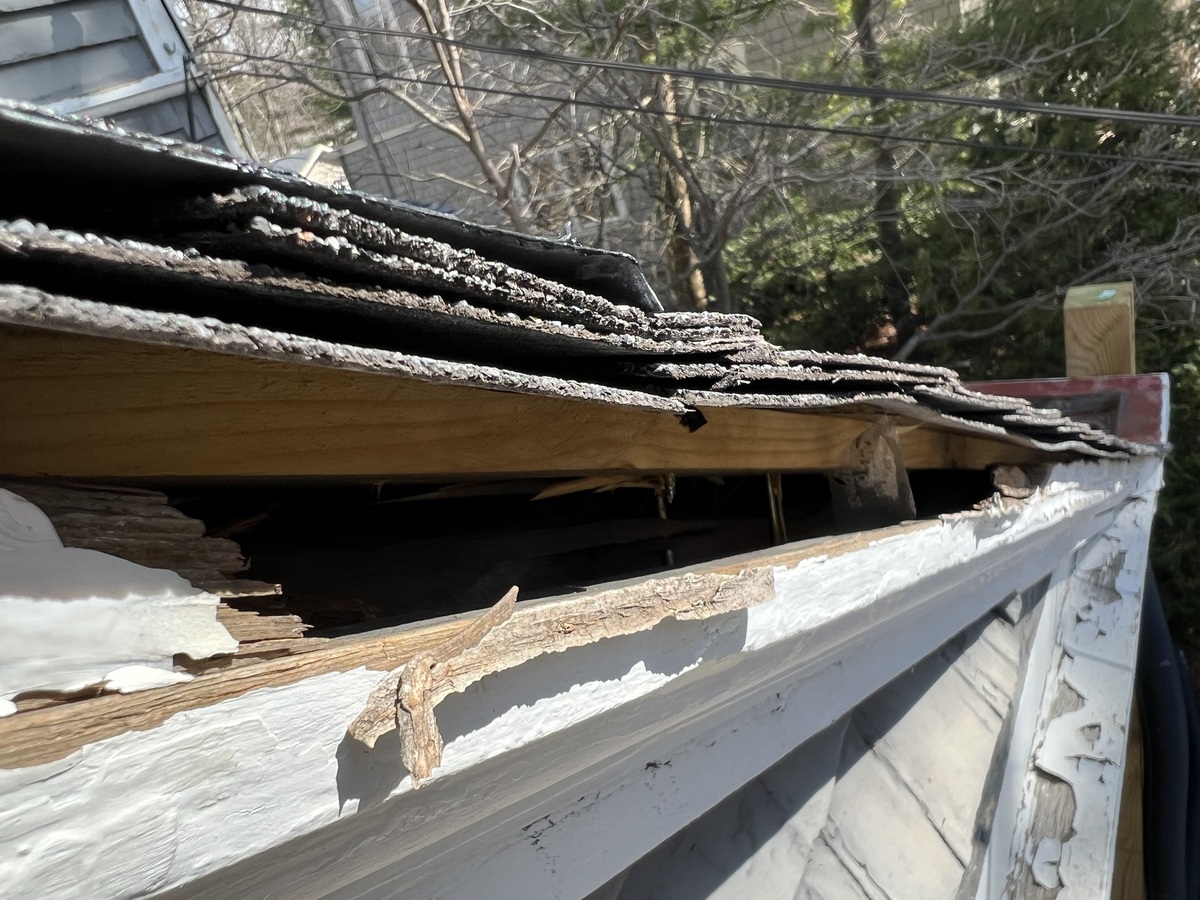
[142,527]
[44,735]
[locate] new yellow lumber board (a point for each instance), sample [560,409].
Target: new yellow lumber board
[88,407]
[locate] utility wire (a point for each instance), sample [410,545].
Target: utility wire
[1063,110]
[843,131]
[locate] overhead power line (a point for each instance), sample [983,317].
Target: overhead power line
[1007,104]
[714,119]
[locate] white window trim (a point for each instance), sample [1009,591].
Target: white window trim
[123,96]
[163,36]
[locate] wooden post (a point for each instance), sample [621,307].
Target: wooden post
[1098,323]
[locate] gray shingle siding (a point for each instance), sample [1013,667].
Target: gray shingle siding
[426,164]
[121,60]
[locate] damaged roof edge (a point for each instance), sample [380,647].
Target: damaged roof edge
[29,307]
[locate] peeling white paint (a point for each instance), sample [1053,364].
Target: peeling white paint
[1087,642]
[1045,863]
[1086,747]
[75,618]
[128,679]
[898,560]
[733,696]
[144,811]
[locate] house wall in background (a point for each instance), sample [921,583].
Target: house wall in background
[126,61]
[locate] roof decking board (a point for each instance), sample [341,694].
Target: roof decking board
[200,413]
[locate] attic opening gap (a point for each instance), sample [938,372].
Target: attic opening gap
[355,557]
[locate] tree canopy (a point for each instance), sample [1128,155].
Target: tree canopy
[933,232]
[980,219]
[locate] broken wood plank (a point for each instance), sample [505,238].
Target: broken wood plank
[80,406]
[250,626]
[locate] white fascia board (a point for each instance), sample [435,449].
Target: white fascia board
[566,737]
[1089,644]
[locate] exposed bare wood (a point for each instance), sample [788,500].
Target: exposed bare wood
[249,626]
[1129,875]
[243,588]
[137,525]
[417,694]
[873,490]
[48,734]
[82,406]
[601,483]
[1098,321]
[252,653]
[142,527]
[1036,876]
[383,709]
[501,639]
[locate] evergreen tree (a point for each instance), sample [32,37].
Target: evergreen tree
[960,252]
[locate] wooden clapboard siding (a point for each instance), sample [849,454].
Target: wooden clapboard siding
[79,406]
[43,80]
[62,28]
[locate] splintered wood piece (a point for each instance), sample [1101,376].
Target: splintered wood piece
[249,626]
[420,740]
[382,709]
[503,638]
[872,490]
[600,484]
